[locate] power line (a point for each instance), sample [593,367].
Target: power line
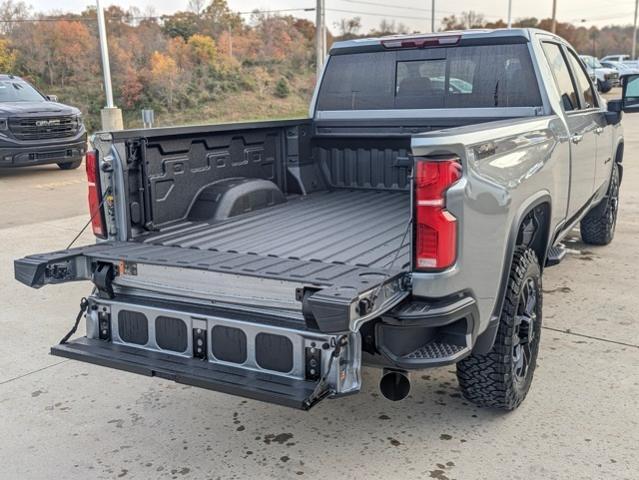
[418,9]
[373,14]
[155,17]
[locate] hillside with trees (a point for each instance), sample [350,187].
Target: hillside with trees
[203,65]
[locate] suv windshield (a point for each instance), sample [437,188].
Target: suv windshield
[483,76]
[18,91]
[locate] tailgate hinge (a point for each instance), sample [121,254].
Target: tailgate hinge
[102,277]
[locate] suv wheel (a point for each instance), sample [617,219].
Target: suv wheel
[70,165]
[501,378]
[598,226]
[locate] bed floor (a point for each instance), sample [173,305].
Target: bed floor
[352,227]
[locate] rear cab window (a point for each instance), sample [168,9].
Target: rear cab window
[482,76]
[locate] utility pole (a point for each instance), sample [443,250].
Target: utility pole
[510,13]
[634,33]
[111,115]
[432,17]
[320,35]
[554,16]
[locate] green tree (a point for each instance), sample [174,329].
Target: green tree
[282,89]
[181,24]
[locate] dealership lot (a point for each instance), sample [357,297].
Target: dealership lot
[60,418]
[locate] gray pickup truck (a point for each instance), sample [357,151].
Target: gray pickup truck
[404,225]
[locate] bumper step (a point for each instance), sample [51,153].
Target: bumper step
[221,378]
[555,255]
[436,351]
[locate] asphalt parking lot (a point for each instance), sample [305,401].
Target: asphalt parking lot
[64,419]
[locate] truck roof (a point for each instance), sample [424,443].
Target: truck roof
[451,37]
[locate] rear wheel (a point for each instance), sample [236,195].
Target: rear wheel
[598,226]
[603,87]
[70,165]
[501,378]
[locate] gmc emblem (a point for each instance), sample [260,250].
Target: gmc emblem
[47,123]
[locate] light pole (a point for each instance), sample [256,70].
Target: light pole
[111,115]
[554,16]
[432,17]
[510,13]
[634,33]
[320,36]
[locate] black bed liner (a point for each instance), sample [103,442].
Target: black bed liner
[351,227]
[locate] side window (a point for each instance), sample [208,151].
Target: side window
[582,81]
[560,71]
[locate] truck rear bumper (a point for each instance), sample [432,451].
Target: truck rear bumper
[428,333]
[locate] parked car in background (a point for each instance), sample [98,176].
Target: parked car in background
[622,68]
[617,58]
[606,78]
[35,129]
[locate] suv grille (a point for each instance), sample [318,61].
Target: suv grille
[36,128]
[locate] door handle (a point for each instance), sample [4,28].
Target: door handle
[576,138]
[599,130]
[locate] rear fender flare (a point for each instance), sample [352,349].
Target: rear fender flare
[486,339]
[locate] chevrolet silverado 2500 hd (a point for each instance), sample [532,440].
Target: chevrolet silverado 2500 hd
[405,225]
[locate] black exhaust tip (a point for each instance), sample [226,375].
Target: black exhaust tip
[394,384]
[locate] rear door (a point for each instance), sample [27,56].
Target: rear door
[592,108]
[582,124]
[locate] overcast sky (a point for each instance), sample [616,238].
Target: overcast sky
[414,13]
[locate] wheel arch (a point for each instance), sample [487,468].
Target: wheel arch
[540,243]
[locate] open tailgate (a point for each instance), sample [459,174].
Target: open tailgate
[336,297]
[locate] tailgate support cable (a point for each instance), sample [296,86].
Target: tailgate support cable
[84,304]
[107,192]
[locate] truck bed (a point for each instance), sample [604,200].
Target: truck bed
[351,227]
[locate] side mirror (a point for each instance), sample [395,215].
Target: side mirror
[630,95]
[51,98]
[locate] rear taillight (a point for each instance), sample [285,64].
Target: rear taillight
[435,227]
[95,194]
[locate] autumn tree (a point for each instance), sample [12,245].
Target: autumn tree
[8,57]
[58,52]
[164,76]
[465,20]
[348,28]
[389,27]
[11,12]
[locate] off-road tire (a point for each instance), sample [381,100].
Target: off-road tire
[70,165]
[496,379]
[598,226]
